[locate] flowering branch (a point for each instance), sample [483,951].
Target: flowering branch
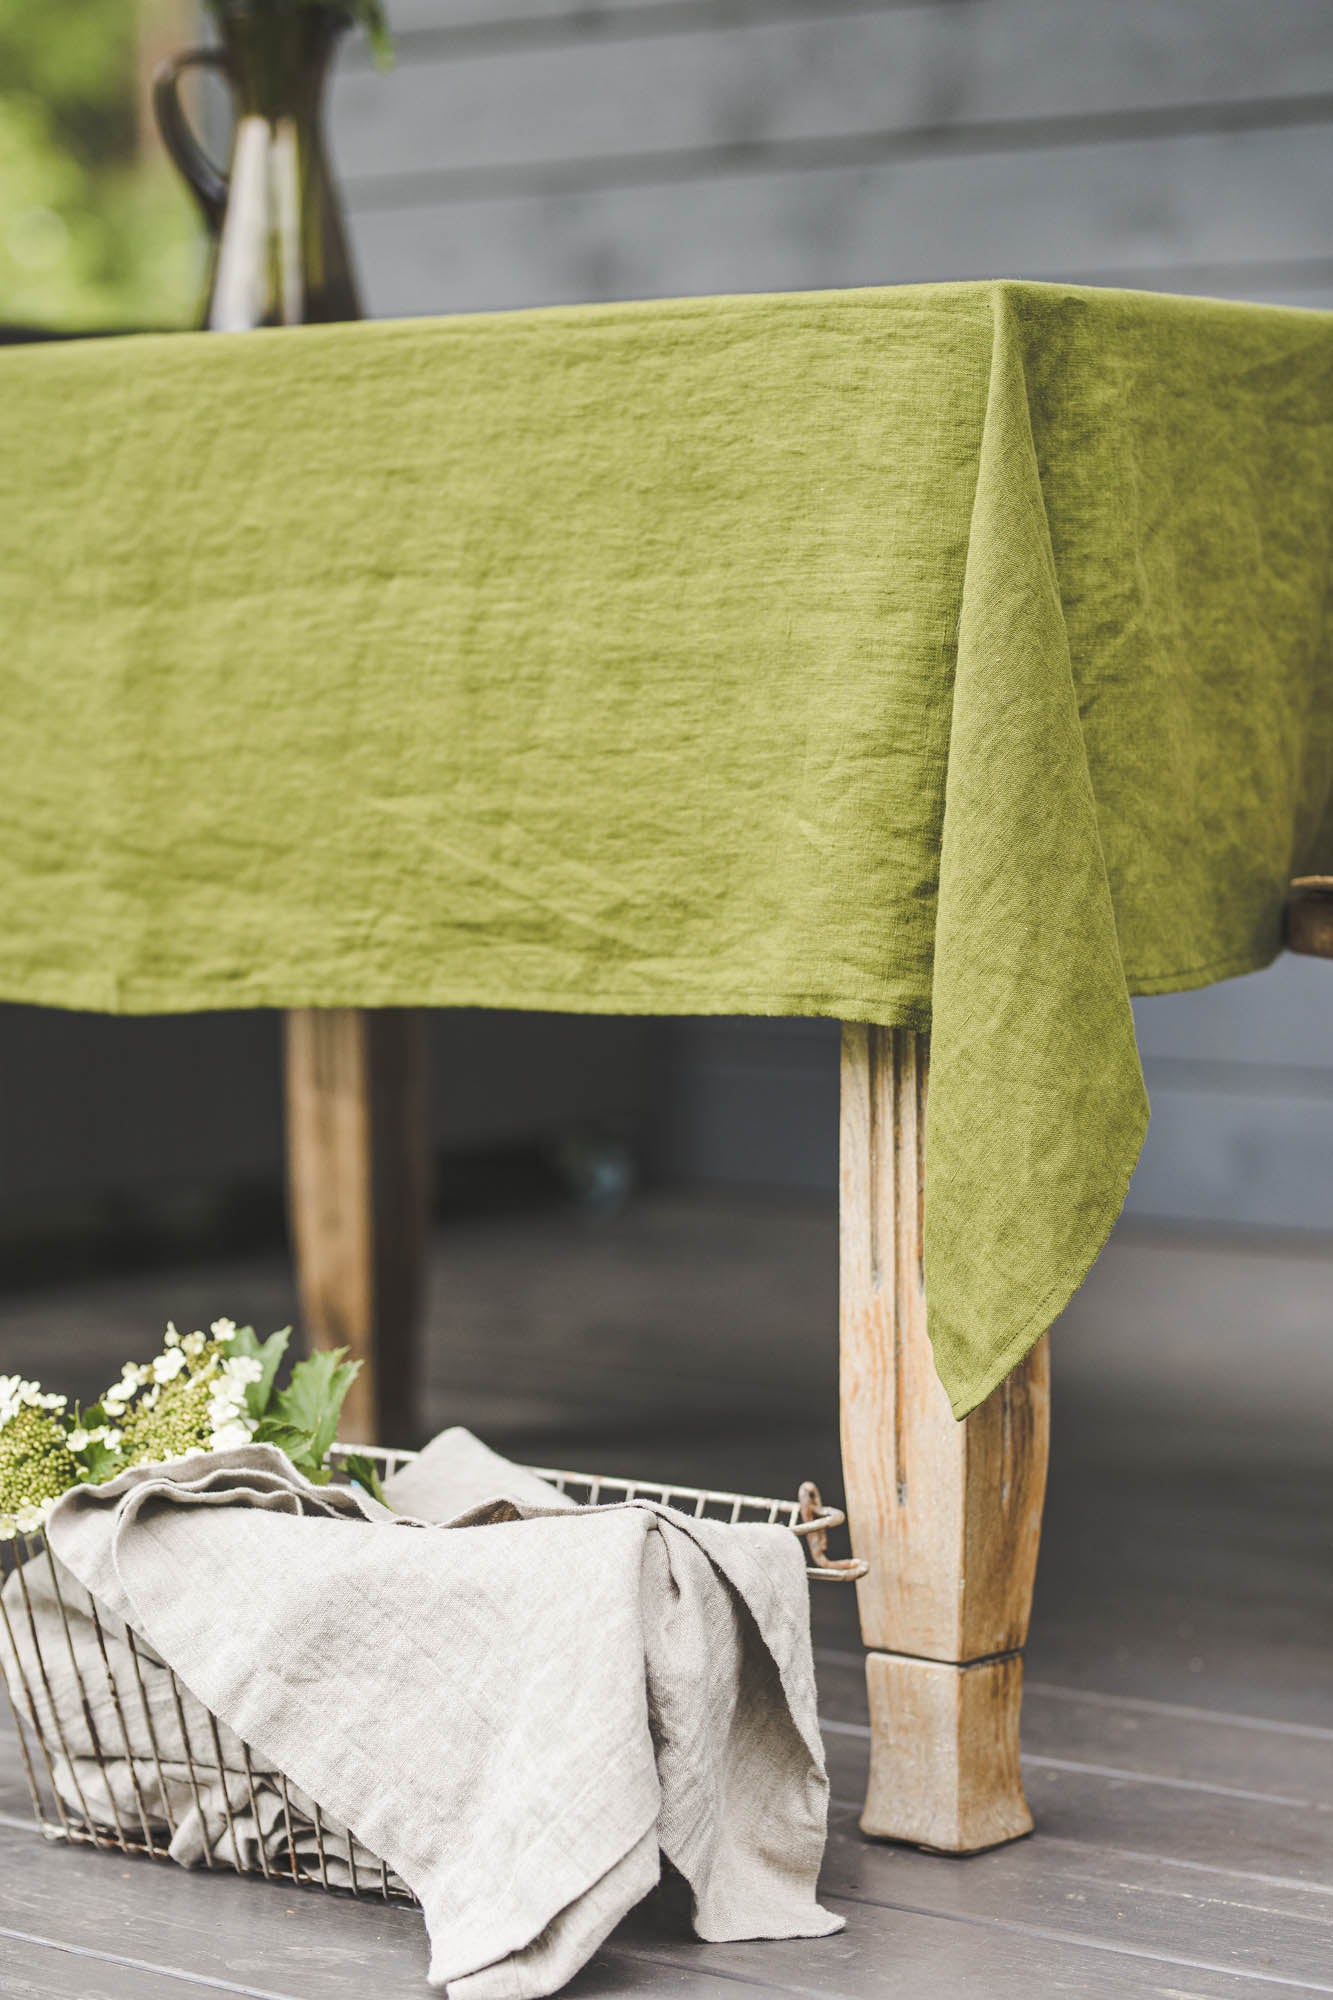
[201,1393]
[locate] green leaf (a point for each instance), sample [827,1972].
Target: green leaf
[296,1444]
[100,1462]
[271,1430]
[268,1353]
[313,1399]
[361,1470]
[369,14]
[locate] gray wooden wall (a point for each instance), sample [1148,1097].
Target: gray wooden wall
[534,151]
[537,151]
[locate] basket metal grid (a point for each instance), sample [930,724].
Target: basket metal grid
[118,1754]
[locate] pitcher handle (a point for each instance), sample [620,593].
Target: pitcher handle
[204,178]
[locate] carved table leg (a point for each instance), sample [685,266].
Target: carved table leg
[948,1515]
[359,1196]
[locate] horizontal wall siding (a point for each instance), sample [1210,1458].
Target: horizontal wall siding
[1185,213]
[983,74]
[642,150]
[1207,44]
[1240,1078]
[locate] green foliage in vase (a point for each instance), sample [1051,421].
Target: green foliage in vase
[368,15]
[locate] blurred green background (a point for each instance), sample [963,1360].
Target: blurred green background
[95,230]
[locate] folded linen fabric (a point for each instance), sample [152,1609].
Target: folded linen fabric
[519,1705]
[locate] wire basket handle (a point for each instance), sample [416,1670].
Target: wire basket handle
[815,1521]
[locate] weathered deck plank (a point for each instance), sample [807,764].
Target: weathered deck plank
[254,1939]
[33,1969]
[1154,1869]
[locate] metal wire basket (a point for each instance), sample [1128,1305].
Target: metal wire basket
[117,1753]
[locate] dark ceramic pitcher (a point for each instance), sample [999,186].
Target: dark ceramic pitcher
[280,255]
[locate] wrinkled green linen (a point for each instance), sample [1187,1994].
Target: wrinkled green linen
[952,656]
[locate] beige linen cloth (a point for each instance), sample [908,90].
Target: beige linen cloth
[518,1704]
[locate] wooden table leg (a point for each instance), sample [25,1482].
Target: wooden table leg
[358,1153]
[948,1515]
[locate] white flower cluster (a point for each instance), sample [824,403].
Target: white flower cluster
[79,1439]
[230,1422]
[16,1395]
[141,1385]
[191,1345]
[116,1399]
[192,1398]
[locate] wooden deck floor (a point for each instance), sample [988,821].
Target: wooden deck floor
[1179,1719]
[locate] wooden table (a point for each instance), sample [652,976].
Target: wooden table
[243,887]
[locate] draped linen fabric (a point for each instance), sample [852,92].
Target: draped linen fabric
[522,1710]
[954,657]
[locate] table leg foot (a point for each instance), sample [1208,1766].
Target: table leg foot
[944,1763]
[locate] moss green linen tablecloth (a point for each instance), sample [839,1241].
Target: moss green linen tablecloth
[952,656]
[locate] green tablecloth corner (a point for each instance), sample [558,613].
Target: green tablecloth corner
[1033,1037]
[952,656]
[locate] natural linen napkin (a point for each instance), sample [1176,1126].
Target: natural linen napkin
[518,1704]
